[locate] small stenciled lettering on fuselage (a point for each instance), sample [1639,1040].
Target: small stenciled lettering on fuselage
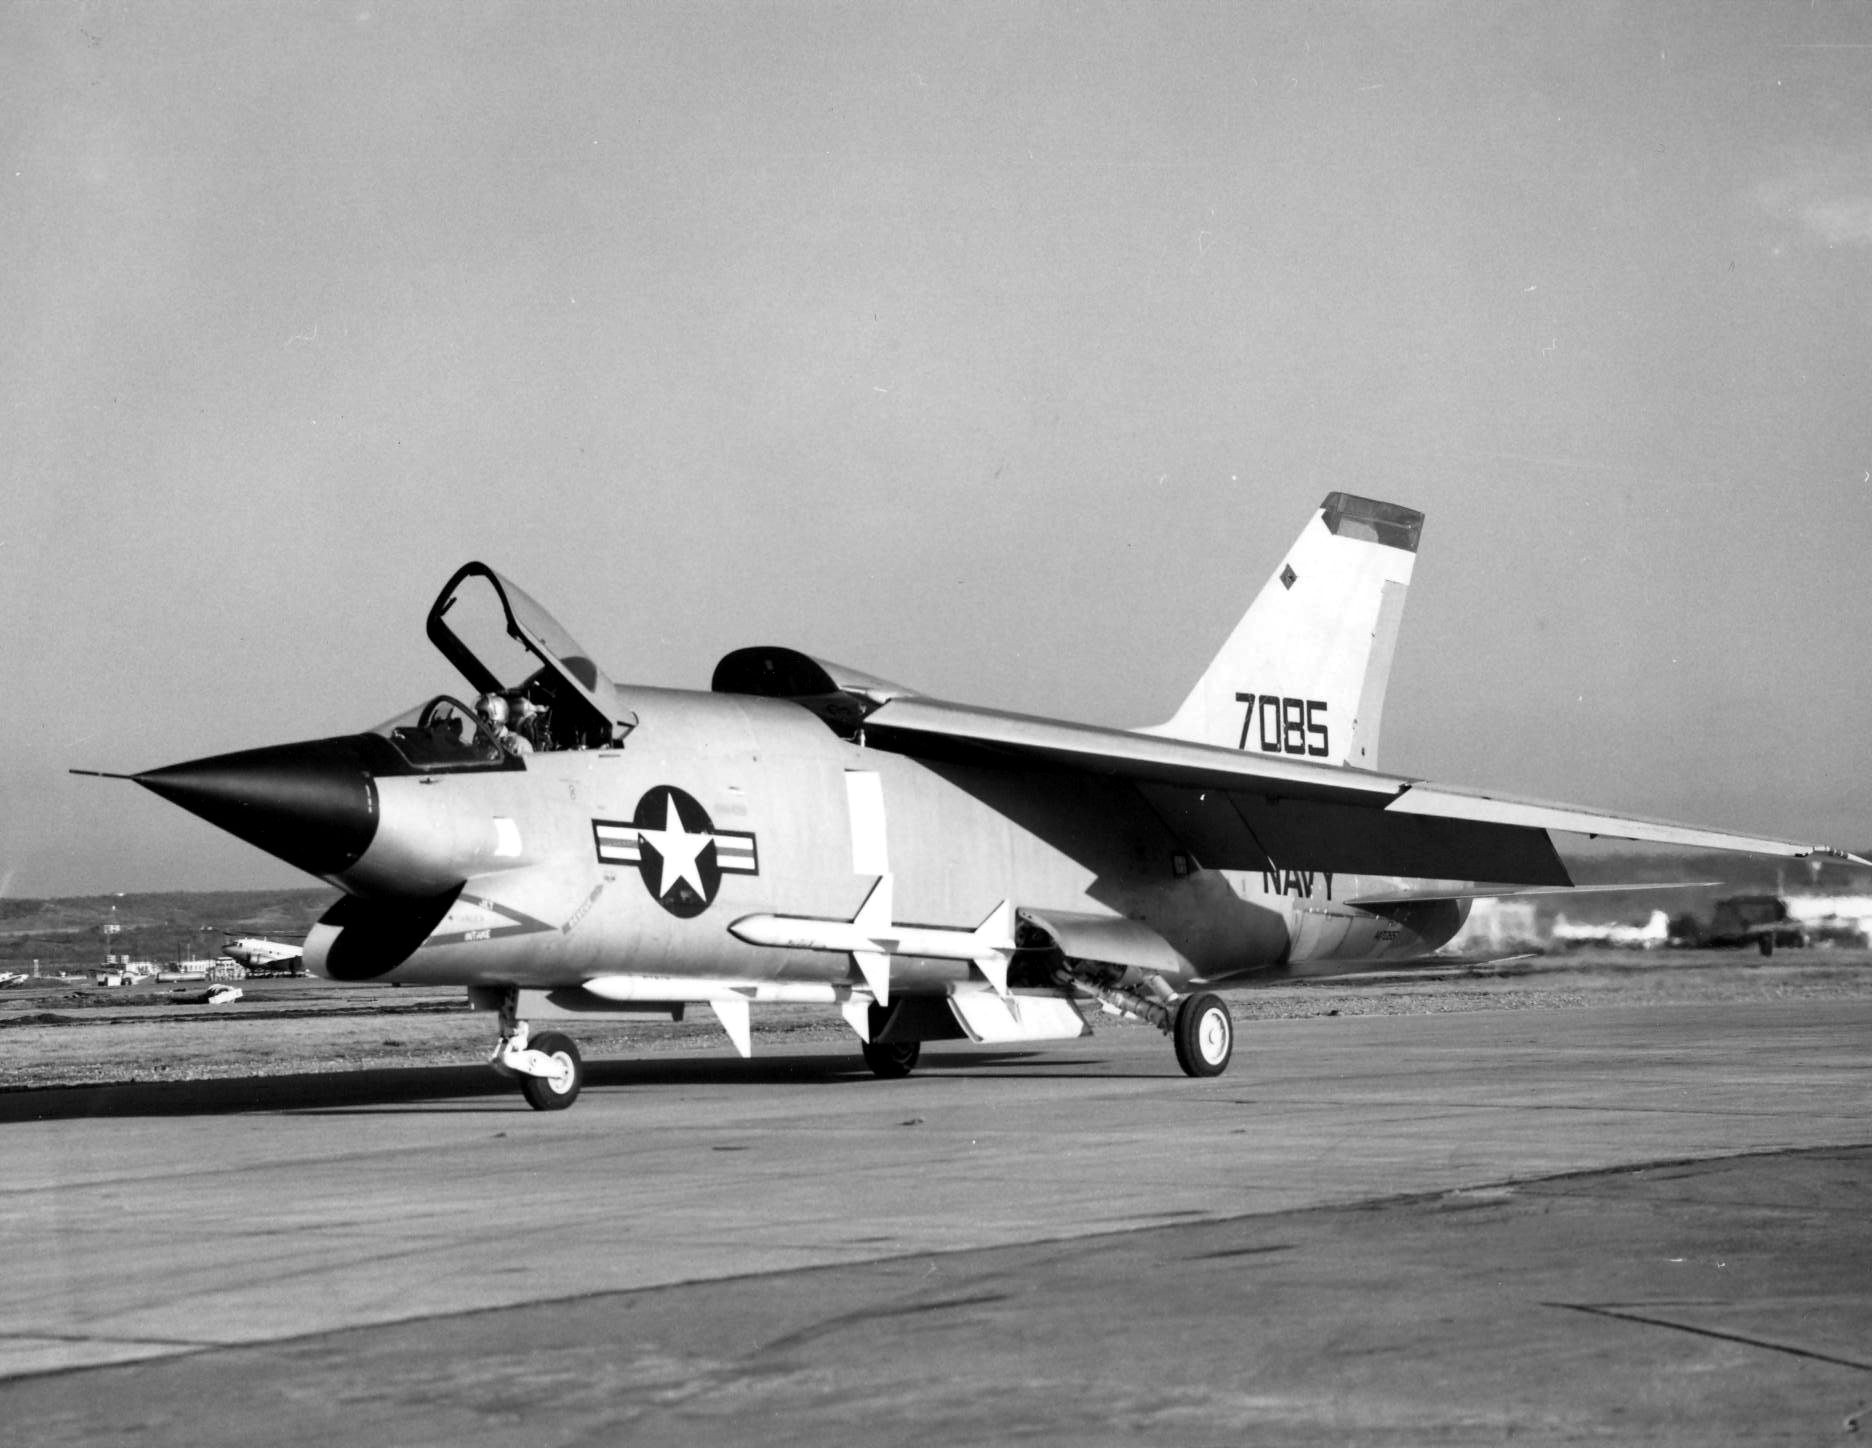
[1294,883]
[578,916]
[680,854]
[1294,725]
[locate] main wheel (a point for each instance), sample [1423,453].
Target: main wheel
[561,1087]
[1205,1036]
[894,1060]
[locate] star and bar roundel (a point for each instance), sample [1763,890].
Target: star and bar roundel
[680,854]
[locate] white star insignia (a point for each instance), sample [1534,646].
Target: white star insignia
[678,848]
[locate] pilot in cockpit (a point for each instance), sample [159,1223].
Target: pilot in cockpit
[528,719]
[492,708]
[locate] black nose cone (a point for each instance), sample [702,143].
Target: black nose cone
[312,803]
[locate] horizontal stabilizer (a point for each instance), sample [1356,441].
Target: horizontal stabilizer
[1336,971]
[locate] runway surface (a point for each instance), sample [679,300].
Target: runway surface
[1604,1224]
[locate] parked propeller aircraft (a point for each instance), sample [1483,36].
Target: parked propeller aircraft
[1654,932]
[806,833]
[262,956]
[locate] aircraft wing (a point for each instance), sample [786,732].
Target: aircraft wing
[1254,811]
[1510,890]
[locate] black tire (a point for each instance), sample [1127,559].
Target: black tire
[894,1060]
[1205,1036]
[558,1091]
[1766,944]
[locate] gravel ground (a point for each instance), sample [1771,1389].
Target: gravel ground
[69,1034]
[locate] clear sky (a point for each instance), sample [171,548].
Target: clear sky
[998,350]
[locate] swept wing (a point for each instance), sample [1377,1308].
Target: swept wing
[1252,811]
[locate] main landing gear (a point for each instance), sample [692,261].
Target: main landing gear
[891,1061]
[547,1065]
[1204,1034]
[1198,1024]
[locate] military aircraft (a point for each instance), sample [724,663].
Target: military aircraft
[1654,932]
[804,833]
[264,956]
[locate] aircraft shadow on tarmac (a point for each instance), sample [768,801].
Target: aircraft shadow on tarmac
[389,1091]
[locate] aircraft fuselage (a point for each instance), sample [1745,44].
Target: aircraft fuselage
[639,857]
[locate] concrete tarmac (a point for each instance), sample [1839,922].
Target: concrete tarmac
[1607,1224]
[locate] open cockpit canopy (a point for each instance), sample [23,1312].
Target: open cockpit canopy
[506,643]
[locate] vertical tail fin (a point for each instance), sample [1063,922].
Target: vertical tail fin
[1304,672]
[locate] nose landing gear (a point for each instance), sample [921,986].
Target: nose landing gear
[560,1086]
[547,1065]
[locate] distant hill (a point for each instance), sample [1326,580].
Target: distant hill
[233,908]
[65,934]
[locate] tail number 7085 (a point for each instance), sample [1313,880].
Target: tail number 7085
[1289,724]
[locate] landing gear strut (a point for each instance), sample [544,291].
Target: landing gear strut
[1199,1024]
[547,1065]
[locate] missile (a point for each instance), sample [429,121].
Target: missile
[871,938]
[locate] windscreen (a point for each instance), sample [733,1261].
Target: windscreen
[444,735]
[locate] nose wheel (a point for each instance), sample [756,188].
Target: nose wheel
[547,1065]
[1205,1035]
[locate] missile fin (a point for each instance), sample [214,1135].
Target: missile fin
[875,967]
[995,935]
[857,1012]
[733,1014]
[997,929]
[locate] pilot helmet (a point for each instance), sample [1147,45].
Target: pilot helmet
[493,707]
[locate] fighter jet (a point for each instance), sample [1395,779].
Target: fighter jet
[804,833]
